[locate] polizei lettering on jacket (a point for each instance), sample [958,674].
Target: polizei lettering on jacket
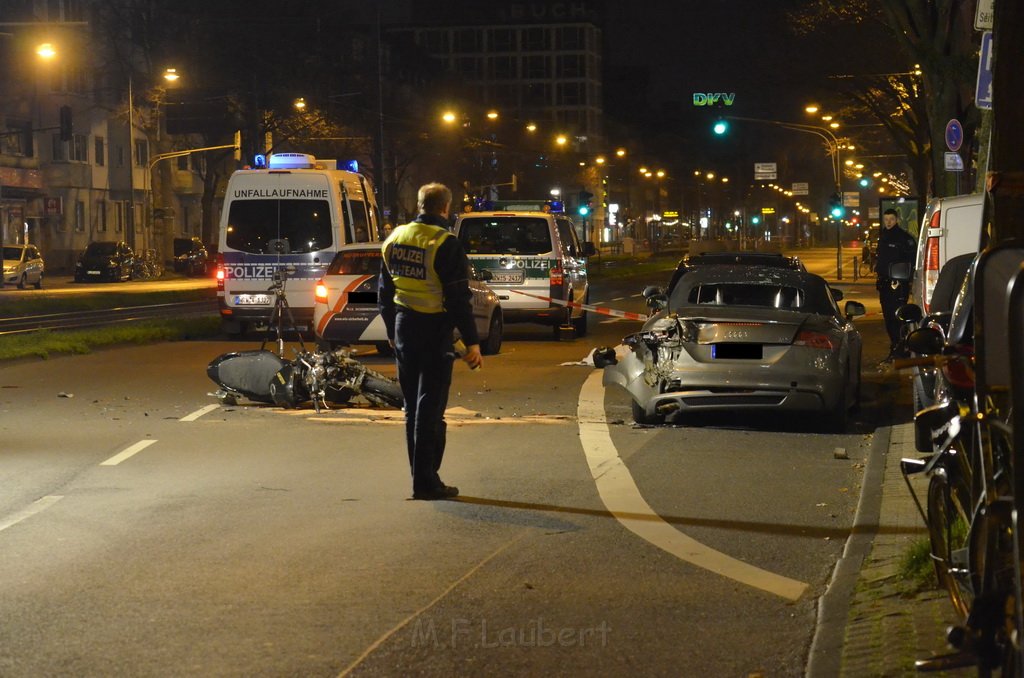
[281,193]
[408,261]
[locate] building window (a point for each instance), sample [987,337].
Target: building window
[119,156]
[537,94]
[536,39]
[471,68]
[436,42]
[504,67]
[78,148]
[570,94]
[536,66]
[504,96]
[502,40]
[570,65]
[571,37]
[18,139]
[60,149]
[119,215]
[80,216]
[101,215]
[467,40]
[100,151]
[141,152]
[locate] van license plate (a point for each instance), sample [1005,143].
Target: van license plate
[252,300]
[504,276]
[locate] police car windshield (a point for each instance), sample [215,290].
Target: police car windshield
[360,262]
[279,226]
[505,235]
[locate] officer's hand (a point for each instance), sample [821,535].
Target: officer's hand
[473,357]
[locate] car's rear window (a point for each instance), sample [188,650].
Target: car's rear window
[362,262]
[745,294]
[505,235]
[279,226]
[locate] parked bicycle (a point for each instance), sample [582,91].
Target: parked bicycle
[971,515]
[147,266]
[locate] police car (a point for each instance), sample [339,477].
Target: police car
[345,310]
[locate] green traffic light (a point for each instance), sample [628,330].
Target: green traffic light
[755,220]
[584,210]
[864,182]
[721,127]
[837,212]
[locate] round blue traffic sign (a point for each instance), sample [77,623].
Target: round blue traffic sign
[954,135]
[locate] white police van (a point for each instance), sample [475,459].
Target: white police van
[287,219]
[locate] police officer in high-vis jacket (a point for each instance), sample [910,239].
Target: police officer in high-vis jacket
[423,294]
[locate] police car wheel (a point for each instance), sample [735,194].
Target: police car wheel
[492,344]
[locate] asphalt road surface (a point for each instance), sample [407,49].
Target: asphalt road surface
[146,531]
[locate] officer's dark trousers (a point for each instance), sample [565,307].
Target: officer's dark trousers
[891,300]
[423,347]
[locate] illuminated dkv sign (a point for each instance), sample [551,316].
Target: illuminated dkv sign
[713,98]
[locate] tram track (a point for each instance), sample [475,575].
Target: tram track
[102,317]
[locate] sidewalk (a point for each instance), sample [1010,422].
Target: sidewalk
[886,629]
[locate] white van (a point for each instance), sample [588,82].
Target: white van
[289,219]
[535,259]
[951,226]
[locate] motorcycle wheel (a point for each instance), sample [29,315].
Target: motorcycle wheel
[382,389]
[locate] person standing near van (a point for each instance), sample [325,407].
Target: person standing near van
[423,294]
[895,246]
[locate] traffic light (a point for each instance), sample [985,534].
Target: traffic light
[583,202]
[755,220]
[65,123]
[835,206]
[864,182]
[721,127]
[584,210]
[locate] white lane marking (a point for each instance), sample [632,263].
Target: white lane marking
[398,627]
[200,412]
[127,453]
[30,510]
[622,498]
[618,298]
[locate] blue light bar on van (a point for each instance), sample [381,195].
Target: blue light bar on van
[292,161]
[259,161]
[351,165]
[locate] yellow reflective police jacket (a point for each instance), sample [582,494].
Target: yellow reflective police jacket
[409,254]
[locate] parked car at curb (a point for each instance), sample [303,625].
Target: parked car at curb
[732,338]
[345,311]
[105,260]
[190,256]
[23,264]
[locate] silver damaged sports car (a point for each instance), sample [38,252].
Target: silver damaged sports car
[741,337]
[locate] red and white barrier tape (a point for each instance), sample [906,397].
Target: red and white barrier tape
[603,310]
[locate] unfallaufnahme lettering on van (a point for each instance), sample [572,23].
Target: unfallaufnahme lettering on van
[280,193]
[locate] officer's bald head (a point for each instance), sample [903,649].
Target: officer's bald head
[434,199]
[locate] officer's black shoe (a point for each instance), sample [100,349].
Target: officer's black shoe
[442,492]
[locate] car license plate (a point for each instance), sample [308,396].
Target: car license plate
[506,276]
[252,300]
[93,272]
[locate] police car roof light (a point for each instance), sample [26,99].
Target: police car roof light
[292,161]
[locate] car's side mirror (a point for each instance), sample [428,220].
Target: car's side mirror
[854,309]
[901,271]
[651,290]
[925,341]
[588,249]
[836,294]
[909,313]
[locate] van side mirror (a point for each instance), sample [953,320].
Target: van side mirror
[925,341]
[902,271]
[588,249]
[909,313]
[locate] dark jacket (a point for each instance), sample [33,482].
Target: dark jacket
[452,267]
[895,246]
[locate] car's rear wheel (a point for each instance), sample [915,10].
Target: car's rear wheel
[22,281]
[492,344]
[39,282]
[640,416]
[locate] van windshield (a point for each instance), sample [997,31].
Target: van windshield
[279,226]
[505,235]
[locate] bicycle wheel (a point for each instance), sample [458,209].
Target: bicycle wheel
[948,531]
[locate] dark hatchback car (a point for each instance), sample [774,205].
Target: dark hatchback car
[105,260]
[770,259]
[190,256]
